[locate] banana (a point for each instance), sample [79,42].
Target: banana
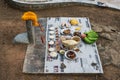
[88,41]
[92,39]
[92,34]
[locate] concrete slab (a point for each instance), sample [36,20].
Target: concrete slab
[35,62]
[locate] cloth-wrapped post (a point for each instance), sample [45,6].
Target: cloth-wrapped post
[29,31]
[31,20]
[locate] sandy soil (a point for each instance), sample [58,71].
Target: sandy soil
[12,55]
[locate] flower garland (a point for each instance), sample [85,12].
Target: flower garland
[30,16]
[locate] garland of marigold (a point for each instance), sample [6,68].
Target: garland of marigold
[30,16]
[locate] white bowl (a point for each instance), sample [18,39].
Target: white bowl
[51,28]
[67,54]
[51,32]
[51,36]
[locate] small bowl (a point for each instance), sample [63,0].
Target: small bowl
[51,49]
[54,55]
[51,32]
[51,36]
[52,28]
[51,42]
[70,54]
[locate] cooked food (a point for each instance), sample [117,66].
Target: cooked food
[77,49]
[51,36]
[51,32]
[77,34]
[53,54]
[51,42]
[67,31]
[67,25]
[80,25]
[56,28]
[62,38]
[76,38]
[56,32]
[63,24]
[62,51]
[83,36]
[77,28]
[51,49]
[70,44]
[57,47]
[51,28]
[57,36]
[57,42]
[68,37]
[71,54]
[74,22]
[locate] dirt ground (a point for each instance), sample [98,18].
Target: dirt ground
[12,55]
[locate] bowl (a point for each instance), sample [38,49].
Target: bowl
[51,32]
[66,31]
[70,54]
[54,55]
[76,38]
[70,44]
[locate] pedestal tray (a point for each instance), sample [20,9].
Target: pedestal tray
[37,58]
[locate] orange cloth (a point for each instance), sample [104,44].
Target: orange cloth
[30,16]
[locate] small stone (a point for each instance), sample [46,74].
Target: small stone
[109,28]
[101,48]
[97,27]
[21,38]
[116,45]
[100,28]
[106,36]
[118,37]
[118,33]
[114,36]
[106,60]
[115,57]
